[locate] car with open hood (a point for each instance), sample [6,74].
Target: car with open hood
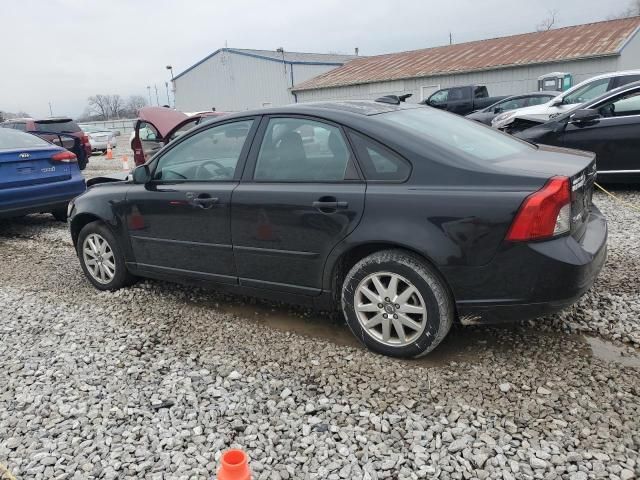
[404,217]
[608,125]
[576,95]
[157,126]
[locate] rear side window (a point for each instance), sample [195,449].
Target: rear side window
[378,162]
[481,92]
[625,79]
[57,127]
[303,150]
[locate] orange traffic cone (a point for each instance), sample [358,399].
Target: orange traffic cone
[109,152]
[234,465]
[125,163]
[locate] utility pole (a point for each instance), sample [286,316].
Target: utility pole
[166,85]
[450,39]
[157,98]
[149,92]
[50,110]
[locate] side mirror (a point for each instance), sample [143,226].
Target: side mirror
[142,174]
[584,115]
[497,110]
[557,102]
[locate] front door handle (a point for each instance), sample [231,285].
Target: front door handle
[202,200]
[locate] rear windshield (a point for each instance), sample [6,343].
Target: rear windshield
[63,126]
[11,139]
[457,134]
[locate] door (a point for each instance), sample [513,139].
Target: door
[614,137]
[301,194]
[179,223]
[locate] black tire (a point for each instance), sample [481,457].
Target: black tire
[121,277]
[437,301]
[60,214]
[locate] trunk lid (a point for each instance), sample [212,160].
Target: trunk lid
[19,167]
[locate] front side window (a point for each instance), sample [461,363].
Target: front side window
[621,106]
[303,150]
[457,134]
[209,155]
[378,162]
[512,104]
[587,92]
[458,94]
[481,92]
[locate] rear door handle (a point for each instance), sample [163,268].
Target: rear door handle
[330,205]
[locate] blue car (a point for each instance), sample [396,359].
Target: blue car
[36,176]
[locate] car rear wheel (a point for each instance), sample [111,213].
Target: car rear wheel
[396,304]
[101,257]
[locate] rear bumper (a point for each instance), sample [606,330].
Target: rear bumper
[40,198]
[526,281]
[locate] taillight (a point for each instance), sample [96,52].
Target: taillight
[544,214]
[65,157]
[85,140]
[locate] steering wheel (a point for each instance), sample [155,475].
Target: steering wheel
[202,169]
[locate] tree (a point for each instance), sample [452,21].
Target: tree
[549,22]
[134,104]
[99,105]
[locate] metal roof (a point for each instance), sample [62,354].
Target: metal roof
[295,58]
[561,44]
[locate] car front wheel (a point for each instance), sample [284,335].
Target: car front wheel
[101,257]
[396,304]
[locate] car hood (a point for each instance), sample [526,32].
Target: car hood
[164,119]
[114,177]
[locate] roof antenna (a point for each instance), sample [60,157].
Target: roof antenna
[393,99]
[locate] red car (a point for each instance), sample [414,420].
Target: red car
[62,131]
[157,126]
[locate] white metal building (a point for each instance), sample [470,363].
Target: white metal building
[232,79]
[507,65]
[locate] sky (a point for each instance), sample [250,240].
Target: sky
[63,51]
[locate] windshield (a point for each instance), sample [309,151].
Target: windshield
[587,92]
[457,134]
[11,139]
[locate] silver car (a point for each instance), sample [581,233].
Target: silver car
[99,138]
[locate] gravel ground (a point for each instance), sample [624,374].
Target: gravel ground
[154,381]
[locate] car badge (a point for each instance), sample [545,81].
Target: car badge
[24,155]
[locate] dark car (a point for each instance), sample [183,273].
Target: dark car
[157,126]
[510,103]
[60,131]
[609,125]
[406,216]
[36,176]
[462,99]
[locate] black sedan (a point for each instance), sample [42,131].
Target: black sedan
[511,103]
[405,216]
[608,125]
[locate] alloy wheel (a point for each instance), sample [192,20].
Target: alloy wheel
[99,258]
[390,309]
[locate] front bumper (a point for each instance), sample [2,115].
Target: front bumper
[530,280]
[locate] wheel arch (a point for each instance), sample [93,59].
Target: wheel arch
[80,221]
[339,268]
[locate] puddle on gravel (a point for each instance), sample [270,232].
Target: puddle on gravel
[610,352]
[463,344]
